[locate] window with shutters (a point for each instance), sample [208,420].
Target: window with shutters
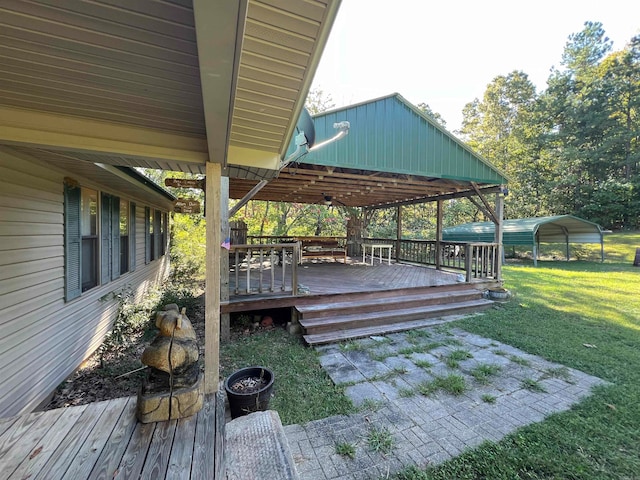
[124,236]
[89,229]
[99,238]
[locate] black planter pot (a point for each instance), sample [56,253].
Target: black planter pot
[245,403]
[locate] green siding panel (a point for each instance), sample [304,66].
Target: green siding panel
[391,135]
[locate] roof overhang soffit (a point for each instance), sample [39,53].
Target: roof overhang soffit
[219,32]
[257,61]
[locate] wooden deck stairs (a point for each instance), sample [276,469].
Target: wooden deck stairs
[356,315]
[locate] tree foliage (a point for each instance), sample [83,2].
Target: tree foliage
[572,148]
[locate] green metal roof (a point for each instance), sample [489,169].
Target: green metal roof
[525,231]
[389,134]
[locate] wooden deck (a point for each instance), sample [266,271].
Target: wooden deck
[323,278]
[103,440]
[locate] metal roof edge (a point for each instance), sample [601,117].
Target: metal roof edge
[147,182]
[453,137]
[423,115]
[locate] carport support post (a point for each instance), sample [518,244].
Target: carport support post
[212,278]
[498,234]
[398,231]
[439,206]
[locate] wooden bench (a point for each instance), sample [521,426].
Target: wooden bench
[322,247]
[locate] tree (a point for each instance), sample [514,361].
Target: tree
[592,105]
[318,101]
[502,127]
[426,109]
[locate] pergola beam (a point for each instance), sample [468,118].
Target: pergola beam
[435,198]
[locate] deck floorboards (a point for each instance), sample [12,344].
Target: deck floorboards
[330,277]
[104,440]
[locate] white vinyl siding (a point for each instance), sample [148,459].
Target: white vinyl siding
[43,339]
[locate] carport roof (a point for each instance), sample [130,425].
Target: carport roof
[526,231]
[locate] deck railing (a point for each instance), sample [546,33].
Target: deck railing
[270,239]
[477,260]
[255,265]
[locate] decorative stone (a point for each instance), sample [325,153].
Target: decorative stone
[172,323]
[168,354]
[158,407]
[173,387]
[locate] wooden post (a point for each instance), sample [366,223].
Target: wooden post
[225,232]
[398,232]
[212,279]
[439,234]
[498,234]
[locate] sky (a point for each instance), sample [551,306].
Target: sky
[445,53]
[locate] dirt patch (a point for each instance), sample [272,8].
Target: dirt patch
[117,373]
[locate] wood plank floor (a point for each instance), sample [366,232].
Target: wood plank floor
[328,277]
[104,440]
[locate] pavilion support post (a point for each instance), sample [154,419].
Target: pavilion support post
[225,232]
[212,278]
[398,231]
[498,234]
[439,208]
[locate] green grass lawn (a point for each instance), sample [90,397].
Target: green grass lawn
[557,309]
[302,390]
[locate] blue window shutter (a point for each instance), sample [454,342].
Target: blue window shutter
[165,232]
[132,237]
[115,238]
[157,229]
[105,238]
[72,243]
[147,235]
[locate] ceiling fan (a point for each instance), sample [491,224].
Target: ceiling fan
[328,200]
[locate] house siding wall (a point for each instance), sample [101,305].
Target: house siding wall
[43,339]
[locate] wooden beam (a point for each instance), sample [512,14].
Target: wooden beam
[498,233]
[439,216]
[47,130]
[435,198]
[212,279]
[398,232]
[492,213]
[480,207]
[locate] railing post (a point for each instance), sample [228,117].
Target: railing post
[439,205]
[237,269]
[248,270]
[294,268]
[468,259]
[272,287]
[261,270]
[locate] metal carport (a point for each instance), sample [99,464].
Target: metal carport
[531,231]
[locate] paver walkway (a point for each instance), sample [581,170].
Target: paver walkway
[506,388]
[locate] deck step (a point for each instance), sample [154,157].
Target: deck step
[381,303]
[257,448]
[342,335]
[356,320]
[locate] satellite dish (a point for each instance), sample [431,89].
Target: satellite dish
[305,124]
